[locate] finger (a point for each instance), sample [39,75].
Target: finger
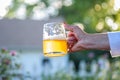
[71,44]
[71,41]
[76,30]
[70,47]
[70,34]
[71,38]
[72,27]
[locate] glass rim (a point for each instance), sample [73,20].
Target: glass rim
[53,23]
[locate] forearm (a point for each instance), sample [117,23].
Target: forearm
[98,41]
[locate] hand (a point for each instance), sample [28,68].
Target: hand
[75,38]
[80,40]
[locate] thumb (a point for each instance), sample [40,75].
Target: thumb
[75,29]
[68,27]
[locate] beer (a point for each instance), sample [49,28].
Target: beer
[54,47]
[54,40]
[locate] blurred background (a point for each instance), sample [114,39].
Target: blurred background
[21,24]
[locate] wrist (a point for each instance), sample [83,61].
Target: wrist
[96,41]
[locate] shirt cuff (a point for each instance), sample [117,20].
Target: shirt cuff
[114,41]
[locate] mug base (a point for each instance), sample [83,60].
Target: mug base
[54,54]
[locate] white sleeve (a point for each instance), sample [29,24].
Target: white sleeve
[114,41]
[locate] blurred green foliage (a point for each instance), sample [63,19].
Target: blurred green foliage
[92,14]
[29,7]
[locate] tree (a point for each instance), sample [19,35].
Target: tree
[93,14]
[28,9]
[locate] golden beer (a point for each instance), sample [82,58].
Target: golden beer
[53,48]
[54,40]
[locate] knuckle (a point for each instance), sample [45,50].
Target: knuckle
[75,27]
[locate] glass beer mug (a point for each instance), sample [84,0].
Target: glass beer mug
[54,40]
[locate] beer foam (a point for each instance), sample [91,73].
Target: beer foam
[55,37]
